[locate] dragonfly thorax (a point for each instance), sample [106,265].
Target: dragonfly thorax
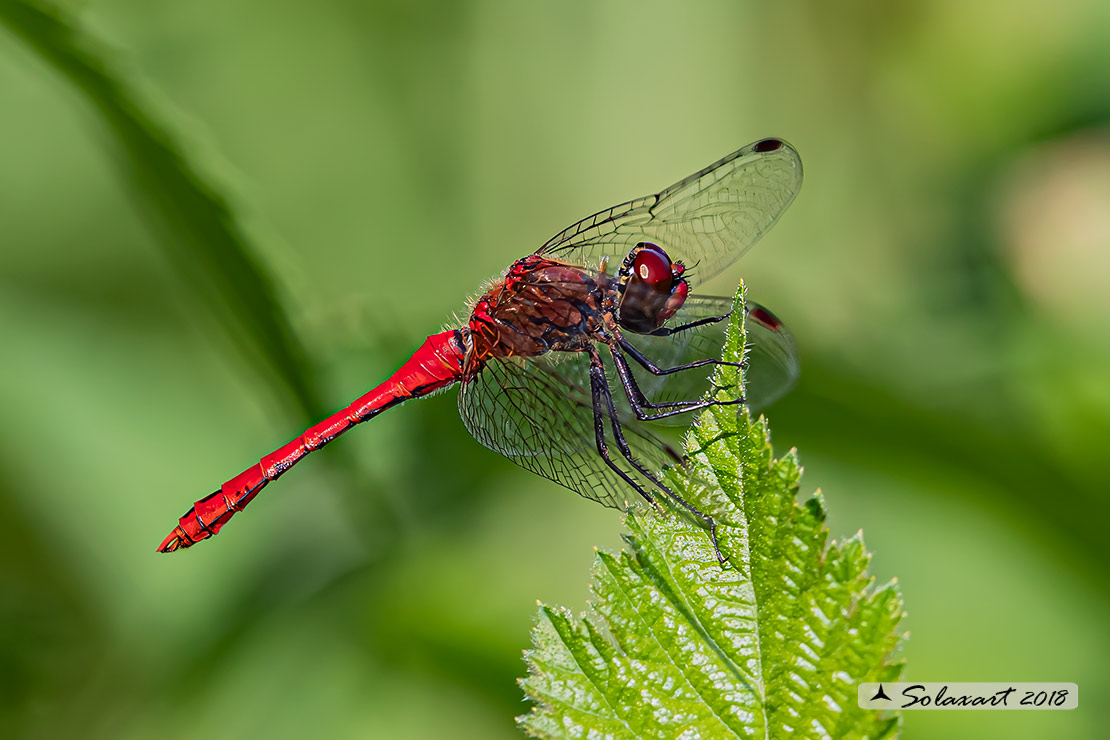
[539,305]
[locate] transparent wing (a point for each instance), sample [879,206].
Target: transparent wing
[772,363]
[708,220]
[539,413]
[772,360]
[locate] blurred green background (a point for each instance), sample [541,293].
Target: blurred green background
[946,270]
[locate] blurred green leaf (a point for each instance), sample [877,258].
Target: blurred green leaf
[198,227]
[673,645]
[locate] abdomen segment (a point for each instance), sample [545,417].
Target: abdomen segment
[437,364]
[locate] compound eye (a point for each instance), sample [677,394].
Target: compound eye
[653,266]
[674,302]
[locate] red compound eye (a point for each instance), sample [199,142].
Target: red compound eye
[652,265]
[675,301]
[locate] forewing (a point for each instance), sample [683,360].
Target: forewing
[707,220]
[772,364]
[538,412]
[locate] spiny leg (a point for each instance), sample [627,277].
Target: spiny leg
[636,397]
[639,402]
[599,389]
[665,331]
[654,369]
[600,386]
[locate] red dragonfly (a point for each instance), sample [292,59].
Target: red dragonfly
[546,341]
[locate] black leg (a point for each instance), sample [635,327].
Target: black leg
[599,389]
[654,369]
[636,396]
[639,403]
[664,331]
[601,386]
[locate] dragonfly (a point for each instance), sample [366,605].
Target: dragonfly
[604,304]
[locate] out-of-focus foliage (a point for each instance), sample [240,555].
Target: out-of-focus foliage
[673,645]
[944,270]
[201,232]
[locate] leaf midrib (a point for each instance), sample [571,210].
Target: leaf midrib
[666,652]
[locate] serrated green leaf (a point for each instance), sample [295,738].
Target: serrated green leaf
[674,646]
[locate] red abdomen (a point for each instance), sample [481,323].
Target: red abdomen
[437,364]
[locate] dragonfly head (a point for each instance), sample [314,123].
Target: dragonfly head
[652,288]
